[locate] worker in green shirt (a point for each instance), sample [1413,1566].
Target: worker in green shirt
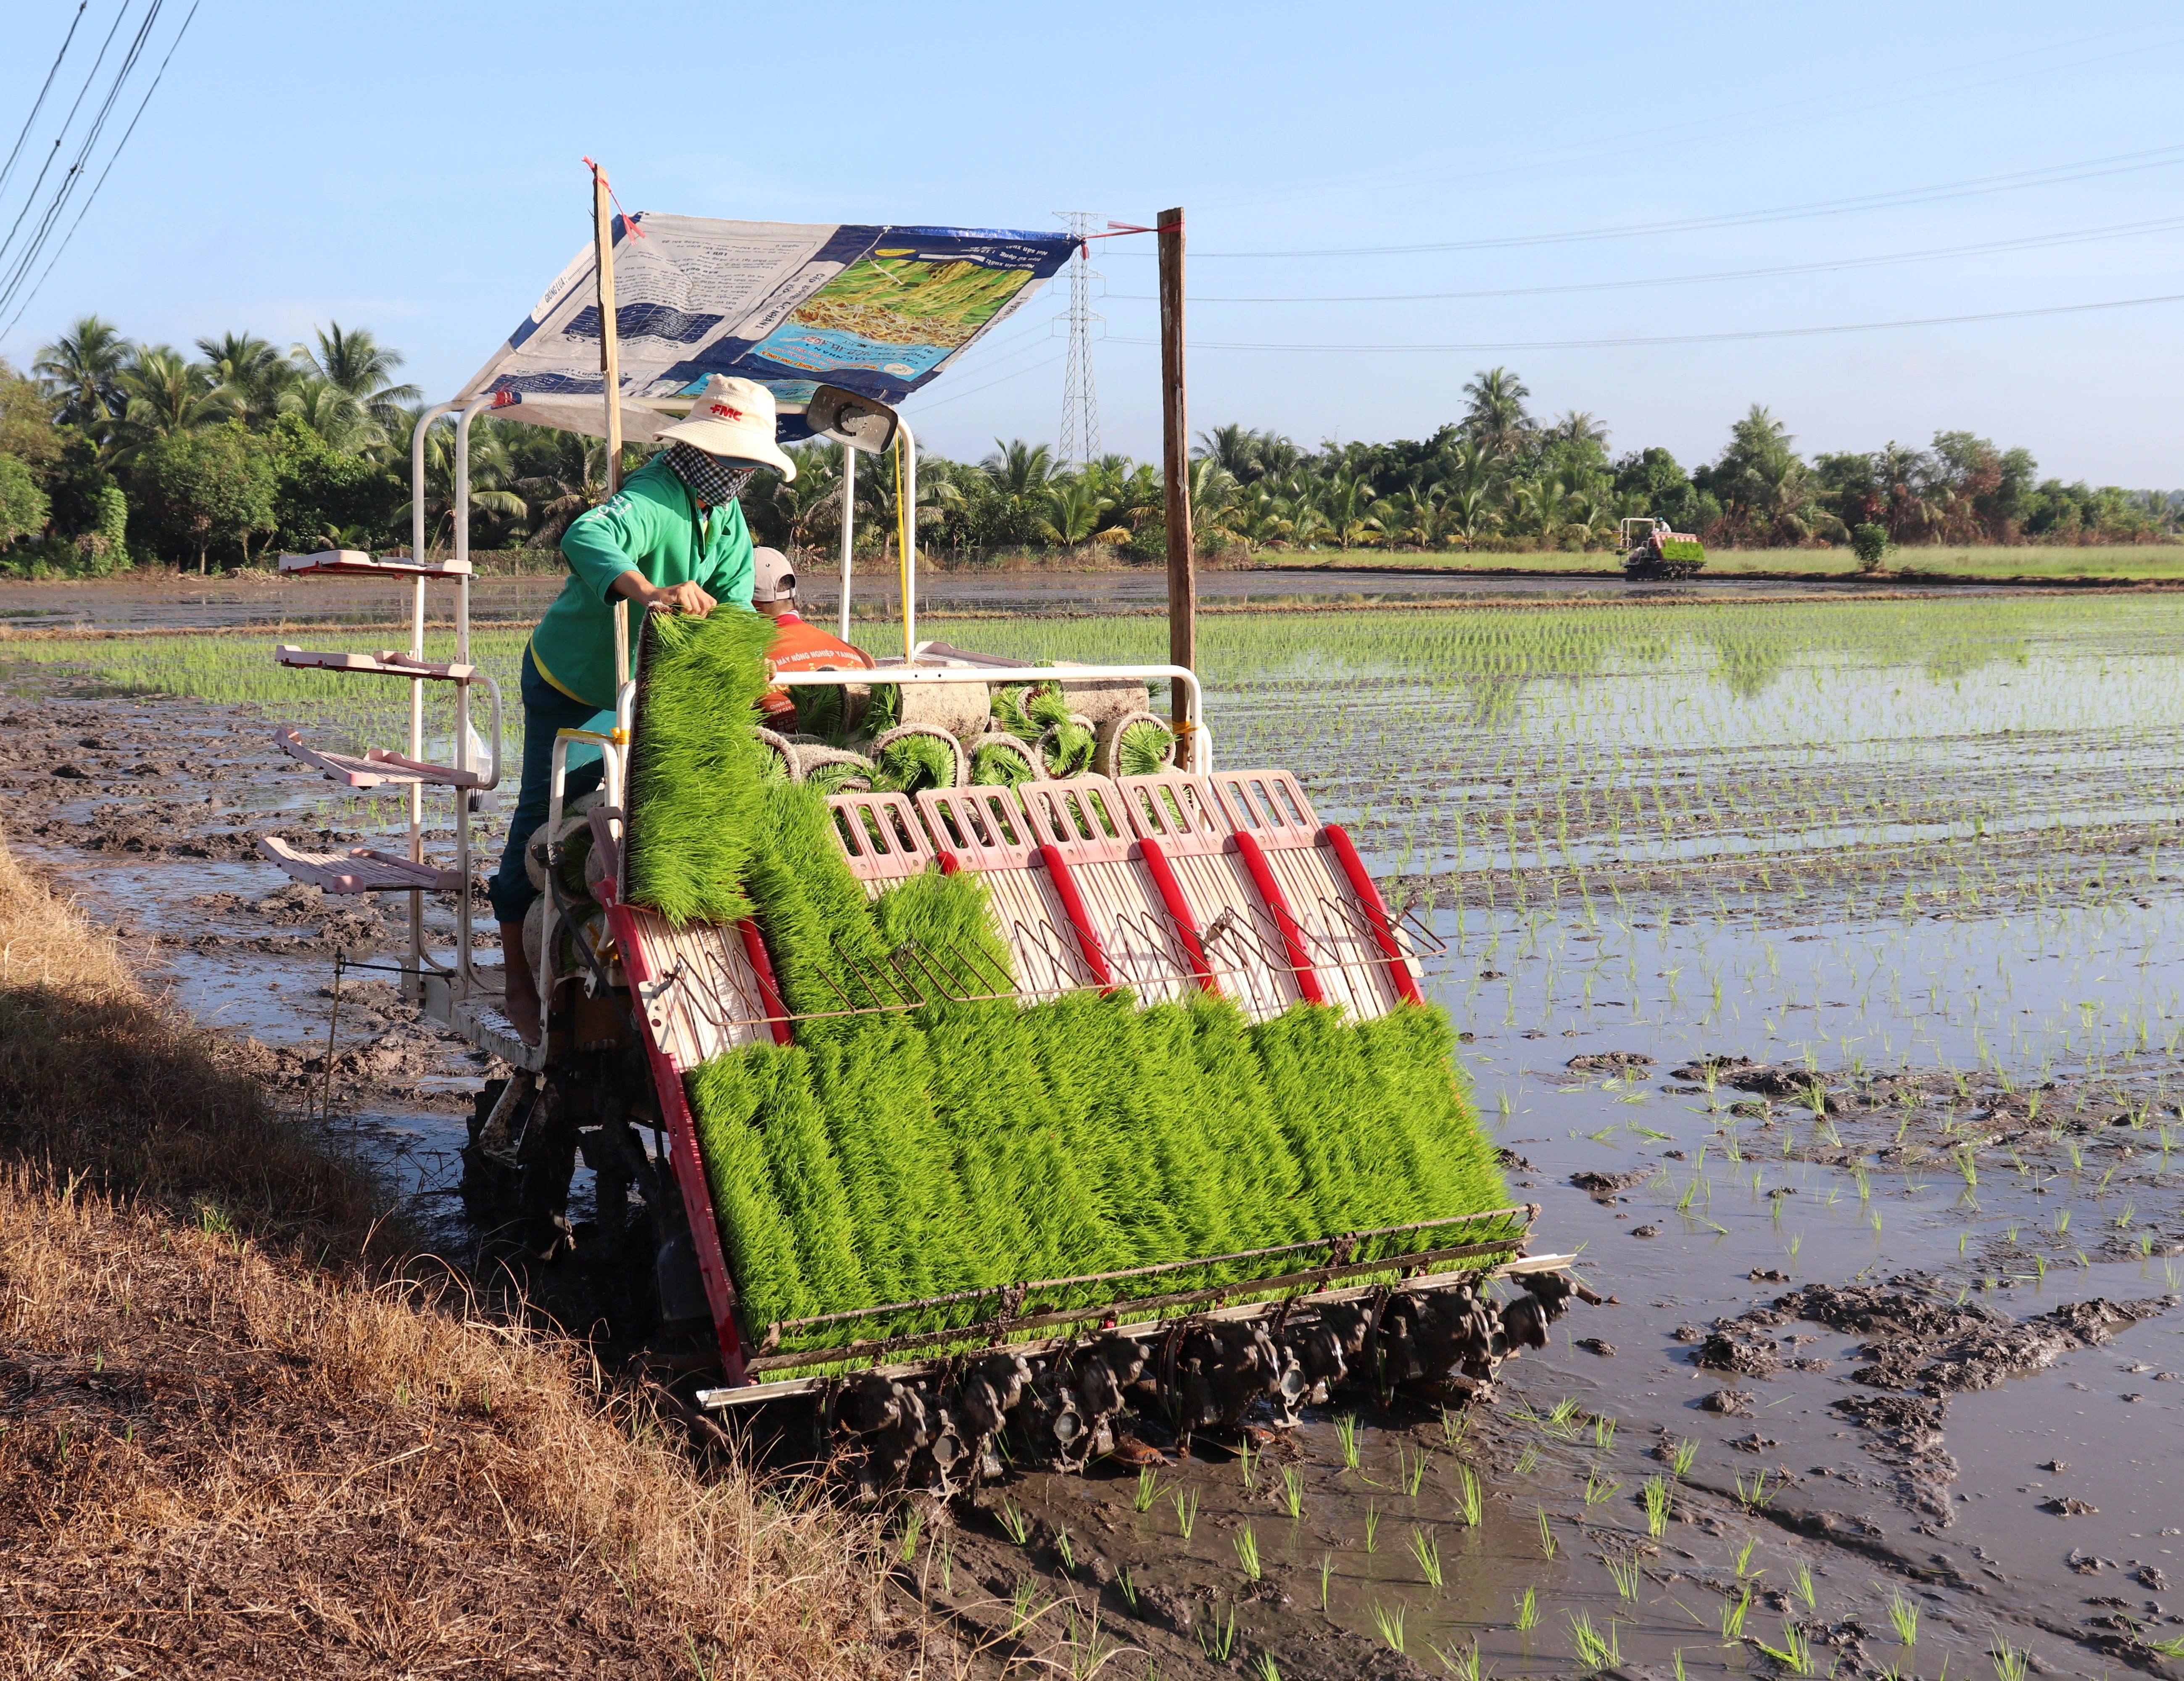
[673,538]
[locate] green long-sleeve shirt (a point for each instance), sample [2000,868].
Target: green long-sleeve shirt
[652,525]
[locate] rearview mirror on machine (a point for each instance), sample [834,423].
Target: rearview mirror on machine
[866,425]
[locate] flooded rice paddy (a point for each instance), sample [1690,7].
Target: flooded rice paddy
[1819,967]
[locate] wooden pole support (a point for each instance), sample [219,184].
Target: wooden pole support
[1175,466]
[610,377]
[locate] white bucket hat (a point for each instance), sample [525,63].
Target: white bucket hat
[733,419]
[772,577]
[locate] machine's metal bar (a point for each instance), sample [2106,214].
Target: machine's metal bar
[849,527]
[416,687]
[1527,1212]
[907,513]
[462,795]
[782,1388]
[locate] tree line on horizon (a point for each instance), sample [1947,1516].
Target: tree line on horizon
[115,454]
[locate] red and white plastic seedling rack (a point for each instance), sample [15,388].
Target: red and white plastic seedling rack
[1347,948]
[1126,926]
[984,830]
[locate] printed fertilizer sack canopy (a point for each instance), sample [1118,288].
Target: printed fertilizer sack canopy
[876,311]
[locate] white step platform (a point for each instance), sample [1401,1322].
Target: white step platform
[387,662]
[377,767]
[356,564]
[359,870]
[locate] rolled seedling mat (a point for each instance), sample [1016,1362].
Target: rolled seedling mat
[963,709]
[914,757]
[829,714]
[572,819]
[836,769]
[1135,744]
[781,755]
[577,845]
[1066,747]
[1106,698]
[1010,708]
[999,759]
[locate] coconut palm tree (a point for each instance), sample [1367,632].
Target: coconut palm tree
[811,504]
[1576,425]
[570,475]
[1467,513]
[167,394]
[1348,508]
[249,376]
[354,362]
[1260,517]
[1235,448]
[1411,516]
[491,478]
[334,414]
[83,367]
[1072,511]
[1497,417]
[1017,473]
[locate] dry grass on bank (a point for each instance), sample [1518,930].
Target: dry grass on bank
[224,1451]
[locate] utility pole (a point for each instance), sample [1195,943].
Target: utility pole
[1080,399]
[1175,464]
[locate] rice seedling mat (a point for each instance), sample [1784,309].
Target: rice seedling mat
[1025,1326]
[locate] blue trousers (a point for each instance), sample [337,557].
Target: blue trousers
[546,711]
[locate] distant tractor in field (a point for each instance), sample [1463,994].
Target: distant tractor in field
[1651,550]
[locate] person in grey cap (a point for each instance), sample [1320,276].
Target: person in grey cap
[797,646]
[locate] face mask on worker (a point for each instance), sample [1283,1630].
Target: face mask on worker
[712,481]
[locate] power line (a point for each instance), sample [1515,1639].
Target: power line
[1692,338]
[2054,174]
[113,29]
[74,177]
[115,156]
[9,169]
[2031,242]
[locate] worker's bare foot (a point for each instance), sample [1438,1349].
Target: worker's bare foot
[520,1001]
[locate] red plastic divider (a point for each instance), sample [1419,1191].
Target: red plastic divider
[1179,911]
[1072,906]
[683,1152]
[1278,905]
[761,963]
[1375,909]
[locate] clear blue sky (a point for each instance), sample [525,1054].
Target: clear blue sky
[415,169]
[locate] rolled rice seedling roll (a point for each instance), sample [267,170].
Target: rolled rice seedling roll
[577,858]
[572,819]
[1010,708]
[829,715]
[959,709]
[834,769]
[914,757]
[781,765]
[1136,744]
[1001,761]
[883,708]
[1066,749]
[1107,699]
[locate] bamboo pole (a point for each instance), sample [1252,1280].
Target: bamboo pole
[1175,465]
[611,376]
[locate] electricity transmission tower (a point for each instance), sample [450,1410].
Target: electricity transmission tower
[1080,399]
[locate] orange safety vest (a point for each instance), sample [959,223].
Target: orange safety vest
[799,647]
